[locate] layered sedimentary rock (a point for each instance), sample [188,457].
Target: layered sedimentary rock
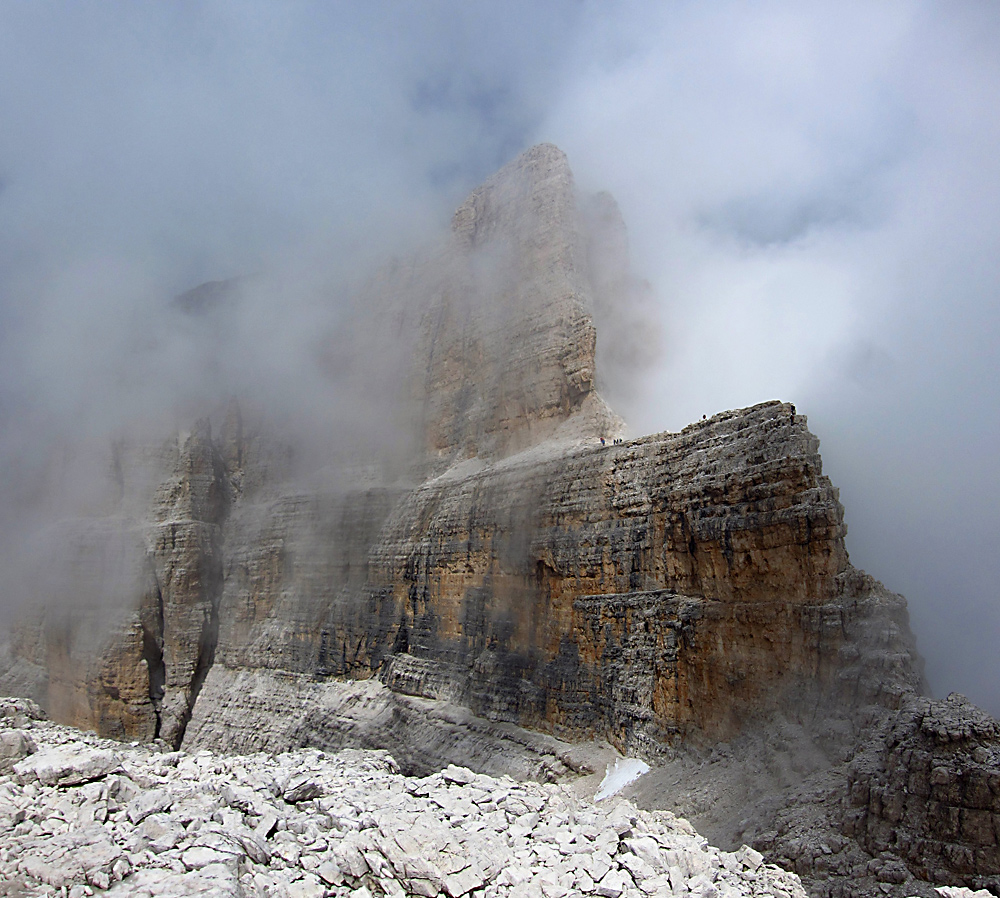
[682,583]
[587,590]
[125,627]
[928,789]
[529,580]
[521,562]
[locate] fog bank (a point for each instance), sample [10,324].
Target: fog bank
[812,193]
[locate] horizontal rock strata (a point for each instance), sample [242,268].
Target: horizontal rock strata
[526,589]
[260,710]
[928,789]
[487,551]
[512,587]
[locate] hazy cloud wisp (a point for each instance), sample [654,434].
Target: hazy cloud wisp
[811,190]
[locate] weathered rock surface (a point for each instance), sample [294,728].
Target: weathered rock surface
[928,789]
[251,711]
[524,568]
[311,824]
[527,590]
[780,791]
[507,344]
[123,629]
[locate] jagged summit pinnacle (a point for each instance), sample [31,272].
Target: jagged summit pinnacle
[538,183]
[507,351]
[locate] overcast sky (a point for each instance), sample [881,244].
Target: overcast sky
[811,189]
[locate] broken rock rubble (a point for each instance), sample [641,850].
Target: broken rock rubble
[81,815]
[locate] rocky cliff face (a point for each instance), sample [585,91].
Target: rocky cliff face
[491,331]
[678,589]
[126,621]
[580,589]
[507,345]
[928,789]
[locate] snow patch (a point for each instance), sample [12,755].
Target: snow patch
[625,771]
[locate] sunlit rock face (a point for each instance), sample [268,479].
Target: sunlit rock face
[626,590]
[515,558]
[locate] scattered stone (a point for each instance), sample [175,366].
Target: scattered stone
[331,873]
[750,858]
[84,815]
[301,788]
[18,711]
[459,775]
[201,856]
[961,892]
[612,885]
[149,803]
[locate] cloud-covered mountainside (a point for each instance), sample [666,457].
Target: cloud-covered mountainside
[449,537]
[812,195]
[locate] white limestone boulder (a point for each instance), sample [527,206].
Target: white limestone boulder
[67,765]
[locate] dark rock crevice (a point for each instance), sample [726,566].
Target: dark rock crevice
[152,655]
[206,658]
[220,494]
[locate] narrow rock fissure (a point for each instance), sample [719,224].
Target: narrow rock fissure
[206,658]
[152,654]
[209,639]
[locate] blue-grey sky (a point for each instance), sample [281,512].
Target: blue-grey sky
[811,189]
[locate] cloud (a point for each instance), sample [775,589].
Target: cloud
[147,150]
[811,190]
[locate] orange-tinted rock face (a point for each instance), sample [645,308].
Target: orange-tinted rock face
[601,591]
[126,628]
[678,586]
[676,583]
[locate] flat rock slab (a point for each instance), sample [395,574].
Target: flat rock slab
[67,765]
